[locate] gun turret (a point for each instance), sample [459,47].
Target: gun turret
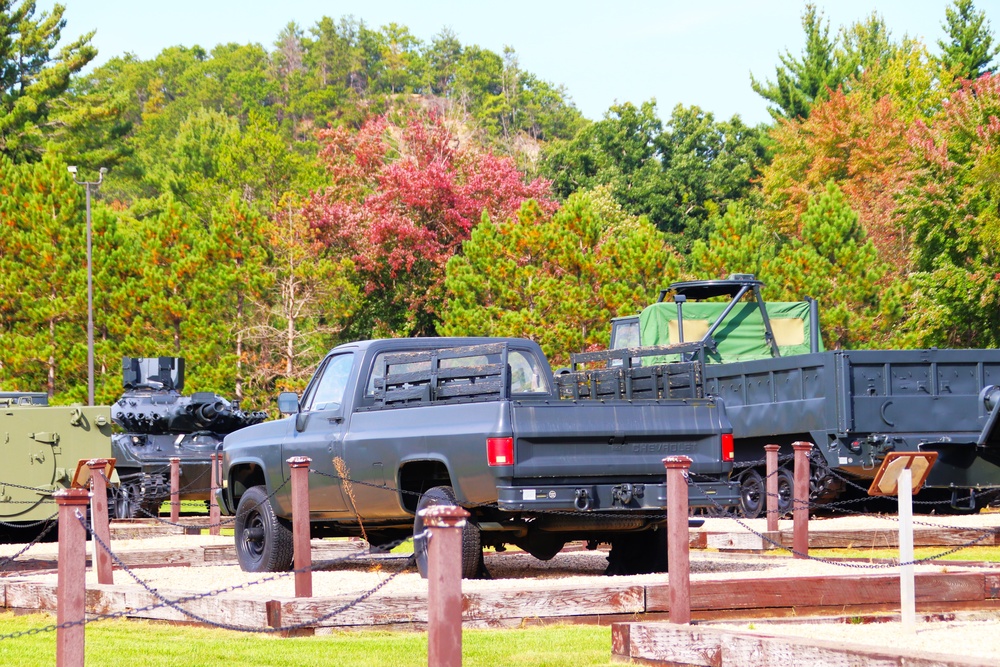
[153,403]
[160,423]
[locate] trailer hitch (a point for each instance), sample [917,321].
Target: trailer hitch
[622,494]
[971,501]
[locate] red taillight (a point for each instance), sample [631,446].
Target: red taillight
[500,451]
[728,451]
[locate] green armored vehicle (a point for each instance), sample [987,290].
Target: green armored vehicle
[42,447]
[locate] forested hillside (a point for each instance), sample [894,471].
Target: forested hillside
[263,203]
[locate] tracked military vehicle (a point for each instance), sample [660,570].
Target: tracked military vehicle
[43,446]
[159,423]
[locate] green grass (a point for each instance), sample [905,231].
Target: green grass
[130,643]
[975,554]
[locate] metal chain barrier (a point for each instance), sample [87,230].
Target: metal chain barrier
[175,603]
[986,533]
[38,538]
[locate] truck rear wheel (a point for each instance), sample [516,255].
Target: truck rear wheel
[472,550]
[263,541]
[786,491]
[752,494]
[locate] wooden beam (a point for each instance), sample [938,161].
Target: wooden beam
[819,591]
[702,646]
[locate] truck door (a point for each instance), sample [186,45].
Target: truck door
[319,434]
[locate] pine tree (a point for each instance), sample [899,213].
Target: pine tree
[31,76]
[835,263]
[802,82]
[556,279]
[43,269]
[969,51]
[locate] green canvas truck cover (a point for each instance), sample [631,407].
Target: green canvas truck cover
[741,335]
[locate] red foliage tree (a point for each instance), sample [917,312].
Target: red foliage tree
[401,200]
[859,143]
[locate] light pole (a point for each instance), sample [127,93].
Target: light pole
[90,283]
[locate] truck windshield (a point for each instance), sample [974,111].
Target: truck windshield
[525,374]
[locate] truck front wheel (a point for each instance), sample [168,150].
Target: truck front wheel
[472,550]
[263,542]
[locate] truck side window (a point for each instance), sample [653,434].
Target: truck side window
[525,378]
[328,391]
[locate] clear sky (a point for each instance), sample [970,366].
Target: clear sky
[679,52]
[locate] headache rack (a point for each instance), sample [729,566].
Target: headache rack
[467,373]
[623,374]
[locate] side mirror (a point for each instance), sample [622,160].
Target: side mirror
[288,403]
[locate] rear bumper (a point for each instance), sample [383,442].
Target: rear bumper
[610,497]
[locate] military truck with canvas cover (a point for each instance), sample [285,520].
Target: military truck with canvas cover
[394,426]
[766,363]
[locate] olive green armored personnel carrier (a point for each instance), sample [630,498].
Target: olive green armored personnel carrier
[42,447]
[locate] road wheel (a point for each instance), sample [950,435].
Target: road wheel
[128,500]
[472,550]
[786,492]
[263,541]
[753,494]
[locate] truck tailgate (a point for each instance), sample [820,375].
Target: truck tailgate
[617,438]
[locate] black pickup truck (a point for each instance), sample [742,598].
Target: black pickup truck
[393,426]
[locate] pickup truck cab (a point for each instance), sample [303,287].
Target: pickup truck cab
[393,426]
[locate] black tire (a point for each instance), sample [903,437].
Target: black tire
[263,541]
[544,547]
[638,553]
[786,492]
[472,550]
[753,494]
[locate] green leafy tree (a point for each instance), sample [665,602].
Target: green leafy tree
[557,279]
[31,75]
[706,163]
[969,50]
[676,175]
[618,151]
[951,210]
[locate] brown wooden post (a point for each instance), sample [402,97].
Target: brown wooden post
[444,524]
[771,456]
[214,516]
[800,499]
[175,489]
[300,526]
[71,578]
[99,517]
[678,556]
